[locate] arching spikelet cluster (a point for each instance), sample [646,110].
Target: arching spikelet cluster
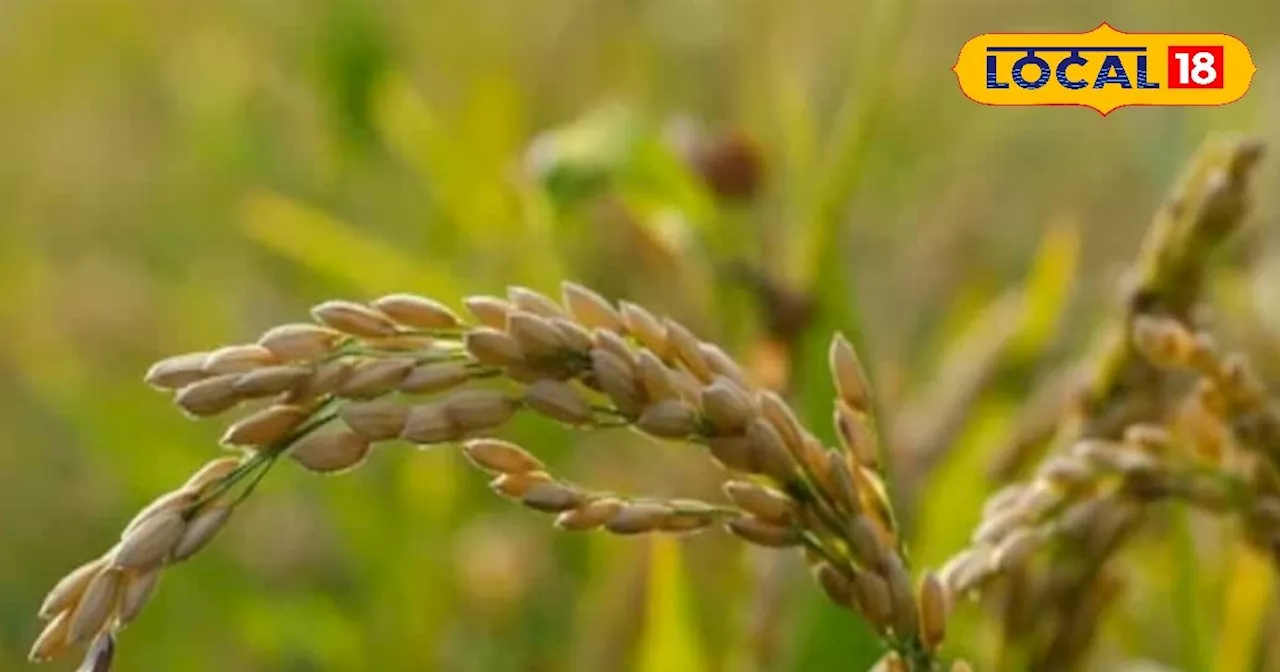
[326,393]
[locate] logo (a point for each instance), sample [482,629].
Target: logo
[1104,69]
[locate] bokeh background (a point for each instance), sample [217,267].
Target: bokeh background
[174,176]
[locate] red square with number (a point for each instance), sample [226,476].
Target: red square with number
[1195,67]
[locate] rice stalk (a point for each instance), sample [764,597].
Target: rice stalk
[326,395]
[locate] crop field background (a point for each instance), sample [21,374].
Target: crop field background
[177,176]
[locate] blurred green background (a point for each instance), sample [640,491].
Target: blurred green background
[175,176]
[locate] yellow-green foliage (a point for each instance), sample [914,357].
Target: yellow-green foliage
[177,177]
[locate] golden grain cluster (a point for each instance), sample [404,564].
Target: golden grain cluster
[325,393]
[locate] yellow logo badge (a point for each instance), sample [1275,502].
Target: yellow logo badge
[1104,69]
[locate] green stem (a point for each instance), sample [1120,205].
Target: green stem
[244,494]
[267,456]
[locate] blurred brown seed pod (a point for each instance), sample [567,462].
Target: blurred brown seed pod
[731,164]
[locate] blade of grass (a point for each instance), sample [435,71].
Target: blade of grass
[325,244]
[856,119]
[670,640]
[1188,581]
[1246,595]
[1048,287]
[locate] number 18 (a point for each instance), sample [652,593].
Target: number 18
[1195,67]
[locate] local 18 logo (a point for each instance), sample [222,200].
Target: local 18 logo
[1104,69]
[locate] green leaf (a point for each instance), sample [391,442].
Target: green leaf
[834,639]
[1246,598]
[471,190]
[328,246]
[1048,286]
[669,641]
